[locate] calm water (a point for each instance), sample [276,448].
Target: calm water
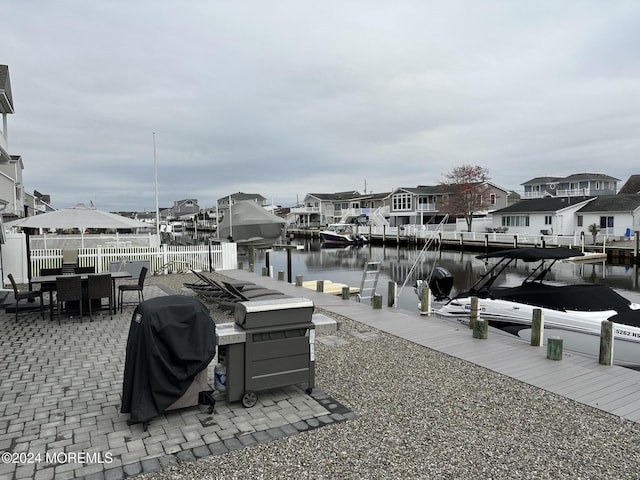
[346,265]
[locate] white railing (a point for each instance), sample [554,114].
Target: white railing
[429,232]
[166,259]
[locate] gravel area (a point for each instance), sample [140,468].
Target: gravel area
[423,414]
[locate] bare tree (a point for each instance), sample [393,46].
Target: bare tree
[469,192]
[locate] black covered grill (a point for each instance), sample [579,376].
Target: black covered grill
[171,342]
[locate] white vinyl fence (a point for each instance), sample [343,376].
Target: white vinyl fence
[163,259]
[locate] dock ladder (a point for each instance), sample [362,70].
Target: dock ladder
[369,281]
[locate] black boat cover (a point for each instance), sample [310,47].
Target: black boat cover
[534,254]
[171,340]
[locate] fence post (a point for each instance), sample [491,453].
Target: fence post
[537,328]
[606,343]
[320,286]
[298,280]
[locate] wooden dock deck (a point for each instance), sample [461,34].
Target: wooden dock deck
[580,378]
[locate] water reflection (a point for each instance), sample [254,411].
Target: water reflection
[345,265]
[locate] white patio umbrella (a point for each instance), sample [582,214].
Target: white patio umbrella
[80,217]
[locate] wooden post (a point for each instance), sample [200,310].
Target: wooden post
[251,255]
[515,241]
[606,343]
[346,292]
[554,348]
[281,276]
[240,265]
[377,301]
[320,286]
[481,329]
[391,293]
[251,267]
[298,280]
[537,328]
[473,313]
[267,259]
[425,301]
[265,271]
[289,265]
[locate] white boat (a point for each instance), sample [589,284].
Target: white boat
[340,234]
[251,225]
[574,312]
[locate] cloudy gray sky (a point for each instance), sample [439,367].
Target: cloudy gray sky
[289,97]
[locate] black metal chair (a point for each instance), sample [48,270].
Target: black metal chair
[69,289]
[99,287]
[49,287]
[27,295]
[133,287]
[80,270]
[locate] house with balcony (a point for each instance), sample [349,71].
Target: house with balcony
[576,185]
[426,204]
[12,193]
[6,109]
[320,209]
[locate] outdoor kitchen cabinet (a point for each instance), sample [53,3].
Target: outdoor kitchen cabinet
[271,345]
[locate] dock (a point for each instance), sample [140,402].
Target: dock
[332,288]
[581,378]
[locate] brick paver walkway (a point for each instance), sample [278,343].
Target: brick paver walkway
[60,391]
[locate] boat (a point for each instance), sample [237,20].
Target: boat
[572,311]
[341,234]
[251,225]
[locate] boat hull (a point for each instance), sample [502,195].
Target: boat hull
[580,330]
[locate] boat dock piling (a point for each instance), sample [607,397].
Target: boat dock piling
[576,377]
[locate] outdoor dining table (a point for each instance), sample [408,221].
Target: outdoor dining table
[51,280]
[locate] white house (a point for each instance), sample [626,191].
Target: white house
[549,216]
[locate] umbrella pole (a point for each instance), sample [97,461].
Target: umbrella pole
[29,273]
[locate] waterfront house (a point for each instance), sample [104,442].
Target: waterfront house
[576,185]
[184,208]
[547,216]
[426,204]
[616,216]
[319,209]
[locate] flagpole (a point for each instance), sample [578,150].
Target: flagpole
[155,171]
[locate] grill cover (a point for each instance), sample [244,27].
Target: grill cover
[171,339]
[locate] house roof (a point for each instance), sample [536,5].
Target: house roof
[6,97]
[547,204]
[336,196]
[590,176]
[613,203]
[632,185]
[571,178]
[541,180]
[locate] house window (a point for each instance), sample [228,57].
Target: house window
[547,219]
[606,223]
[402,201]
[492,198]
[515,221]
[598,186]
[580,220]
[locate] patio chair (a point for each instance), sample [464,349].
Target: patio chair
[99,287]
[27,295]
[68,289]
[133,287]
[49,287]
[81,270]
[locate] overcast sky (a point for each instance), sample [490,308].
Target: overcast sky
[285,98]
